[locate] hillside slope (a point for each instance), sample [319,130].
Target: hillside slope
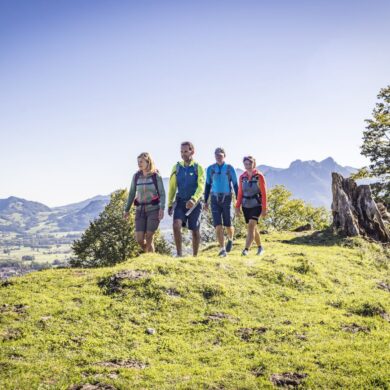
[313,306]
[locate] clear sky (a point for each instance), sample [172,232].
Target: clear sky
[85,86]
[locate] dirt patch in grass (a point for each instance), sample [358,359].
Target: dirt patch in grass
[88,386]
[368,309]
[287,379]
[6,283]
[384,286]
[258,371]
[130,363]
[355,328]
[172,292]
[247,334]
[113,284]
[20,308]
[12,334]
[301,336]
[212,292]
[217,317]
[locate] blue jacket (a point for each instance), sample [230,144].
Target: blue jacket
[220,179]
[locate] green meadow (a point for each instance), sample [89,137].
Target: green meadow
[312,312]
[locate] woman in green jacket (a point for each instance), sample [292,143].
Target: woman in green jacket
[148,195]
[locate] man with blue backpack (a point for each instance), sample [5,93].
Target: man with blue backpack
[221,179]
[186,186]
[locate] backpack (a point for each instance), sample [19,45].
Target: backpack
[257,196]
[228,173]
[154,178]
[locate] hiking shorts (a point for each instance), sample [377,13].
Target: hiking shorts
[252,213]
[146,221]
[193,220]
[221,210]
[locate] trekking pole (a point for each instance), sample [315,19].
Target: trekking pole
[192,208]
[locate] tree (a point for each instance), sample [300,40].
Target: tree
[109,239]
[288,214]
[376,146]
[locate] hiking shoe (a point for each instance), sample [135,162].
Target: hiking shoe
[229,245]
[244,252]
[222,253]
[260,251]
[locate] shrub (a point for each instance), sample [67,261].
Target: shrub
[109,239]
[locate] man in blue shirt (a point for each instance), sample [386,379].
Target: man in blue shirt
[221,178]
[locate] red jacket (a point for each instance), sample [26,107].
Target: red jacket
[262,187]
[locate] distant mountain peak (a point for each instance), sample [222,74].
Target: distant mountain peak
[25,204]
[296,163]
[328,160]
[328,163]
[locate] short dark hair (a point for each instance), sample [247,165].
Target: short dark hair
[189,144]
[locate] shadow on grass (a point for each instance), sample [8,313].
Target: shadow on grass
[322,238]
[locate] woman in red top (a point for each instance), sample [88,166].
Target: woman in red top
[252,196]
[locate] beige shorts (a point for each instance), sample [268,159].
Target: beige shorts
[146,221]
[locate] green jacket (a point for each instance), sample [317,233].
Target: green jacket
[173,183]
[145,192]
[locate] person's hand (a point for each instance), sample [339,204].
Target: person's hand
[263,213]
[126,215]
[206,207]
[170,211]
[190,204]
[238,211]
[160,214]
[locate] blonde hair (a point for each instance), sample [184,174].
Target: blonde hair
[148,158]
[251,159]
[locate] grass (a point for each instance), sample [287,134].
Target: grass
[310,305]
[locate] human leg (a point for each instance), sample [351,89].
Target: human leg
[149,241]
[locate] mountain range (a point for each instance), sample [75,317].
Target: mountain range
[307,180]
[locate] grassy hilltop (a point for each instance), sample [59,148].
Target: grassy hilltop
[313,306]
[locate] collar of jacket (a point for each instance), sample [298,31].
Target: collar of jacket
[254,172]
[192,162]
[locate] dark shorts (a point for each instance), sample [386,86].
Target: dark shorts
[221,210]
[146,221]
[252,213]
[193,220]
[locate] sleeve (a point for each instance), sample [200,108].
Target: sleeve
[172,187]
[131,197]
[239,194]
[234,180]
[201,182]
[263,190]
[161,190]
[208,185]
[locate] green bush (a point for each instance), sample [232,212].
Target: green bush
[161,245]
[288,214]
[109,239]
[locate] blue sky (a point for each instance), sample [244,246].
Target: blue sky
[85,86]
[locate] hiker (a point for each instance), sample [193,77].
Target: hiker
[220,179]
[148,194]
[186,185]
[252,195]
